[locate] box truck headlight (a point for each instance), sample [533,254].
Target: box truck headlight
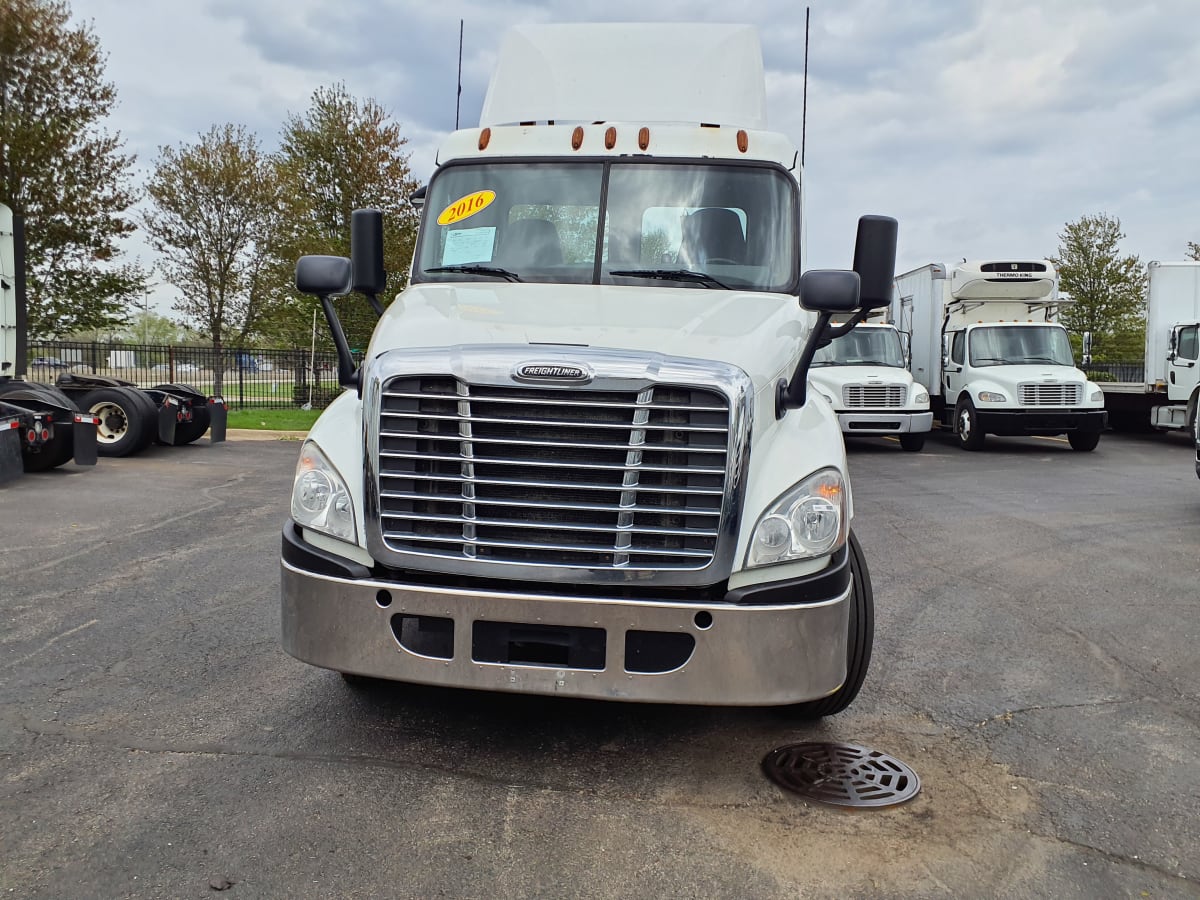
[922,396]
[320,500]
[991,397]
[807,521]
[1096,395]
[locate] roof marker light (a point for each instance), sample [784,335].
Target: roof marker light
[743,140]
[643,138]
[577,137]
[484,137]
[610,138]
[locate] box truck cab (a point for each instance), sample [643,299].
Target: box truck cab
[864,375]
[987,346]
[580,457]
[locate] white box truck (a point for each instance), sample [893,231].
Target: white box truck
[864,375]
[986,345]
[1166,395]
[580,457]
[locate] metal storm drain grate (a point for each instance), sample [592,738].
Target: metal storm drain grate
[841,774]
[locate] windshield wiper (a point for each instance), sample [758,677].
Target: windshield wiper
[478,270]
[880,362]
[1046,359]
[672,275]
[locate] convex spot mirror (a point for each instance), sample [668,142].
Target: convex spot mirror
[324,276]
[829,290]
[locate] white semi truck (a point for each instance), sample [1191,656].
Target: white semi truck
[1166,395]
[580,456]
[986,345]
[864,375]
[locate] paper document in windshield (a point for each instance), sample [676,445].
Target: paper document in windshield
[469,245]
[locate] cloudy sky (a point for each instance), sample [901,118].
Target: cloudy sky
[982,125]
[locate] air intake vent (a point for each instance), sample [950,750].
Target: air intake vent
[873,396]
[625,480]
[1038,394]
[1013,267]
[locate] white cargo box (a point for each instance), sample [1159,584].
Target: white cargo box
[1173,298]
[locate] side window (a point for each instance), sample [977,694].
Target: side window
[957,346]
[1188,345]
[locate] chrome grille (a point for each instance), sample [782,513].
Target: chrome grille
[552,476]
[873,396]
[1039,394]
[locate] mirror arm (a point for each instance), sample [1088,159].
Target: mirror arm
[373,299]
[347,372]
[793,394]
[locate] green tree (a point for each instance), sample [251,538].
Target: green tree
[62,171]
[343,154]
[1109,289]
[216,205]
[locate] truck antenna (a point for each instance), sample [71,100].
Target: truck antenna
[458,96]
[804,102]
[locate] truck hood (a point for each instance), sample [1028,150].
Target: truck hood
[761,333]
[837,376]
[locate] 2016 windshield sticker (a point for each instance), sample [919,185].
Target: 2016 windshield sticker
[465,207]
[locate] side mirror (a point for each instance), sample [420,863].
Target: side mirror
[366,251]
[1087,348]
[875,260]
[323,276]
[830,290]
[417,197]
[328,277]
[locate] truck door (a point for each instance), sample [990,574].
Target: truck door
[1182,371]
[952,370]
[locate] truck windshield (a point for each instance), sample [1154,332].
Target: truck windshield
[1018,345]
[694,226]
[863,347]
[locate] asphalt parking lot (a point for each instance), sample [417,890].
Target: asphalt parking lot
[1035,662]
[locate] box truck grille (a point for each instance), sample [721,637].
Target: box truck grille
[551,476]
[873,396]
[1033,394]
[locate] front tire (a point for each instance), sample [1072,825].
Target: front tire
[860,638]
[966,425]
[912,441]
[1083,441]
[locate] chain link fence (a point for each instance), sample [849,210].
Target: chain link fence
[245,377]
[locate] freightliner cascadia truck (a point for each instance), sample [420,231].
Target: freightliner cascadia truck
[580,456]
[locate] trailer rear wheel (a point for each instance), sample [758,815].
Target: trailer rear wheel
[913,440]
[1083,441]
[61,448]
[859,640]
[122,420]
[966,425]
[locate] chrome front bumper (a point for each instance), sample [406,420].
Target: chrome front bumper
[743,655]
[884,422]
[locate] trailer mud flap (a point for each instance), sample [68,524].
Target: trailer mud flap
[168,416]
[11,466]
[84,437]
[217,417]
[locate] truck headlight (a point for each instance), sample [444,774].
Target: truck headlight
[1097,395]
[991,397]
[807,521]
[922,396]
[320,500]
